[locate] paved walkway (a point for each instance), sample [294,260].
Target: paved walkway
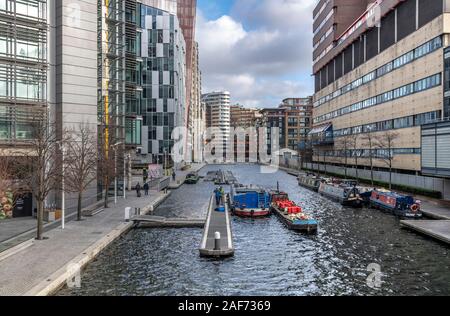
[28,271]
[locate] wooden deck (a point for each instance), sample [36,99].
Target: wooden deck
[439,230]
[163,222]
[217,222]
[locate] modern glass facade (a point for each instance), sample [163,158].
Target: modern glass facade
[23,67]
[162,75]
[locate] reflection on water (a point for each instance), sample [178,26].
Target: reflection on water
[269,259]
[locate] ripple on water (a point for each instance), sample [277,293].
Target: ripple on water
[270,260]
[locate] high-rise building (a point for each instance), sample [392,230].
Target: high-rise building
[218,117]
[197,112]
[385,73]
[24,75]
[163,80]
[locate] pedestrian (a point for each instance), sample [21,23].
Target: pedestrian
[217,195]
[146,188]
[222,195]
[138,190]
[174,176]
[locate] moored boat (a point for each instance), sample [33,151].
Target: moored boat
[292,215]
[249,201]
[398,204]
[309,181]
[345,192]
[192,178]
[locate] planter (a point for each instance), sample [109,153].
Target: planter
[52,216]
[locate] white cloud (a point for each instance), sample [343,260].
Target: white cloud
[253,63]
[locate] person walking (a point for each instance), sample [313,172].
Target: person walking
[138,190]
[174,176]
[146,188]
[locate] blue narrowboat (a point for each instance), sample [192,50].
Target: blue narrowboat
[250,201]
[400,205]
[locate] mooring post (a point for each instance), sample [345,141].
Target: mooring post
[127,214]
[217,241]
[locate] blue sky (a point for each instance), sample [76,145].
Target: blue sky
[259,50]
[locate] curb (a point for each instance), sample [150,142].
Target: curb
[59,278]
[16,249]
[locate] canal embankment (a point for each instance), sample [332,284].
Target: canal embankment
[44,266]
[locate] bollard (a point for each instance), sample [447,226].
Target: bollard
[127,214]
[217,241]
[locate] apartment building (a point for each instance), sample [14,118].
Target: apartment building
[384,73]
[244,117]
[293,118]
[218,117]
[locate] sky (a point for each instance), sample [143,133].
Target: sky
[258,50]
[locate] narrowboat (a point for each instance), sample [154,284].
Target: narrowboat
[192,178]
[249,201]
[309,181]
[400,205]
[292,215]
[345,192]
[365,193]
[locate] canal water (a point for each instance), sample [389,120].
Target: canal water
[269,259]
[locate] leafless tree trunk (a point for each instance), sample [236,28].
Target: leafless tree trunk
[344,144]
[353,145]
[108,145]
[40,166]
[81,162]
[386,142]
[370,142]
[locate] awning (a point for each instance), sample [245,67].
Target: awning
[320,129]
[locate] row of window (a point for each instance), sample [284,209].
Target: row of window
[367,153]
[329,15]
[403,122]
[29,8]
[415,54]
[420,85]
[21,48]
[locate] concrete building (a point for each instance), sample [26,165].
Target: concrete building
[245,117]
[385,72]
[197,111]
[293,118]
[218,116]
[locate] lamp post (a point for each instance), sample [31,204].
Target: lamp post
[125,182]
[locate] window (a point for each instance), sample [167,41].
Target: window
[3,45]
[2,4]
[3,90]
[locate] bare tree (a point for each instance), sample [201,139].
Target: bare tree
[369,141]
[108,145]
[385,142]
[353,146]
[80,163]
[40,166]
[343,144]
[10,189]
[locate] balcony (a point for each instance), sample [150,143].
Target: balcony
[322,135]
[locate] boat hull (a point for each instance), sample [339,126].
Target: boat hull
[400,213]
[311,184]
[304,226]
[251,213]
